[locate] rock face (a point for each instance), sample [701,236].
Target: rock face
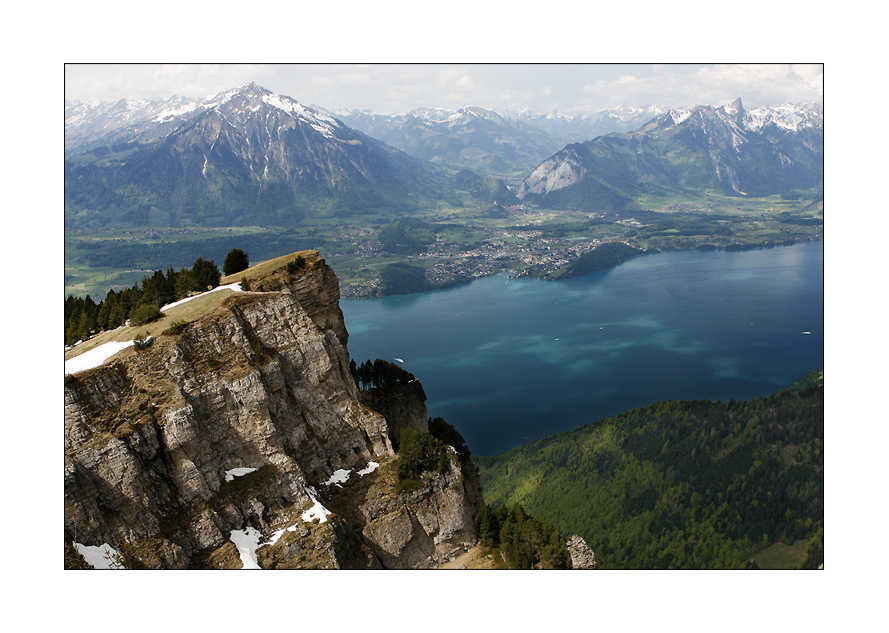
[582,557]
[153,438]
[402,406]
[317,291]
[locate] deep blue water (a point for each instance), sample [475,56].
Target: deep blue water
[508,361]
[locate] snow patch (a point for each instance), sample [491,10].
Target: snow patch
[342,475]
[95,555]
[173,112]
[95,356]
[338,477]
[235,287]
[247,541]
[238,472]
[681,115]
[317,511]
[279,533]
[100,354]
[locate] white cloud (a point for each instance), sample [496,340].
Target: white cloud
[677,85]
[399,88]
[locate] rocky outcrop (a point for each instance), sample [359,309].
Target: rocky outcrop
[582,557]
[401,405]
[315,288]
[419,528]
[240,422]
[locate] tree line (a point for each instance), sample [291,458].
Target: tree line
[83,316]
[138,304]
[379,374]
[263,246]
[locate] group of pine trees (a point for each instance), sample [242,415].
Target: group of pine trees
[83,316]
[524,540]
[379,374]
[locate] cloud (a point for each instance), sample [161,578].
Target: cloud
[678,85]
[399,88]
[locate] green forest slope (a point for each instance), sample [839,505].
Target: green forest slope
[684,484]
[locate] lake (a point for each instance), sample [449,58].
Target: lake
[508,361]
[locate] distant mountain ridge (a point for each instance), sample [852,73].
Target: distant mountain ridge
[250,156]
[245,156]
[498,142]
[760,152]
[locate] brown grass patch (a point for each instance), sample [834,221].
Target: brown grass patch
[479,557]
[263,269]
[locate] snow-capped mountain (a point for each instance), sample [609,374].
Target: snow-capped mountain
[758,152]
[244,156]
[584,127]
[789,117]
[248,156]
[472,138]
[95,123]
[502,142]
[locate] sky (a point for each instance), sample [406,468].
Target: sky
[399,88]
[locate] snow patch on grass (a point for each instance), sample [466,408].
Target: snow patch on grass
[247,541]
[95,357]
[279,533]
[235,287]
[317,511]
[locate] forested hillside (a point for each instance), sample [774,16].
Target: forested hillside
[689,484]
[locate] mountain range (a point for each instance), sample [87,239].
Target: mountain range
[245,156]
[728,149]
[493,141]
[249,156]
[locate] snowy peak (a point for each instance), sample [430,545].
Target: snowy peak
[794,117]
[749,152]
[735,109]
[789,116]
[92,123]
[240,104]
[467,114]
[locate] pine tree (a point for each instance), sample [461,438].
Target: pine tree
[205,273]
[236,261]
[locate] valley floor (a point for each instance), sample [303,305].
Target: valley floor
[468,245]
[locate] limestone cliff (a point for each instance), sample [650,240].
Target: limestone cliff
[247,425]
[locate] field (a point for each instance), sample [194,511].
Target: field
[781,556]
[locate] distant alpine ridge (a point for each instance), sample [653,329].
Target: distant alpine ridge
[495,142]
[248,156]
[760,152]
[245,156]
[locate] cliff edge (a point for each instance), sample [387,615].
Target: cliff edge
[241,441]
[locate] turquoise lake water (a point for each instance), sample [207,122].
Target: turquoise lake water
[508,361]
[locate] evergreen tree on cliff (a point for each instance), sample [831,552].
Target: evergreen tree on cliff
[236,261]
[205,273]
